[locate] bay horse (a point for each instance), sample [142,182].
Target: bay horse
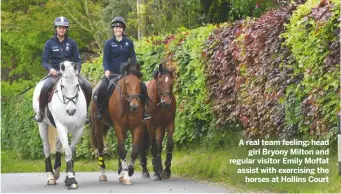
[162,107]
[125,113]
[67,111]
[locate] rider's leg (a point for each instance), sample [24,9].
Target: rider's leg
[144,96]
[48,84]
[102,93]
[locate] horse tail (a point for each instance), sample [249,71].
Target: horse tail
[101,128]
[93,134]
[93,121]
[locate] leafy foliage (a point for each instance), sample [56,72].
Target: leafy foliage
[313,38]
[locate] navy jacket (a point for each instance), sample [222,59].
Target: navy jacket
[118,52]
[56,52]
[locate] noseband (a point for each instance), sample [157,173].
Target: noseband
[160,94]
[128,97]
[66,100]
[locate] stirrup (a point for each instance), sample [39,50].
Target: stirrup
[146,116]
[39,117]
[99,115]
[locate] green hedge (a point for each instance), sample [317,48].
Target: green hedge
[313,103]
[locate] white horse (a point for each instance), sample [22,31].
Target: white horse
[69,111]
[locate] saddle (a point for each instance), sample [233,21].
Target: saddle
[114,78]
[111,87]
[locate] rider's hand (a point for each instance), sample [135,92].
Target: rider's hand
[107,73]
[53,72]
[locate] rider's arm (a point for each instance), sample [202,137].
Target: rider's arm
[76,56]
[46,57]
[106,56]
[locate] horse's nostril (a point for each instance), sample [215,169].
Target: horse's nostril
[134,107]
[72,112]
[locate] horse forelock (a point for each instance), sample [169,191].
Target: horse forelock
[69,71]
[163,72]
[135,72]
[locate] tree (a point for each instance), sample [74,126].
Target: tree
[86,15]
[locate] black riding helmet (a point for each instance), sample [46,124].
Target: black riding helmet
[61,21]
[118,22]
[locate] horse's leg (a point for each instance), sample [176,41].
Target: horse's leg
[43,131]
[70,180]
[160,133]
[136,137]
[152,140]
[170,131]
[122,152]
[58,159]
[143,146]
[99,130]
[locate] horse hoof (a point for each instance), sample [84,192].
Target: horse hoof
[130,170]
[72,186]
[166,174]
[157,176]
[127,182]
[56,173]
[145,175]
[103,178]
[121,179]
[51,182]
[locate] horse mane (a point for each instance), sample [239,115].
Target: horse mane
[127,69]
[156,72]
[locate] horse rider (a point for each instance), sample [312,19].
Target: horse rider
[57,49]
[117,51]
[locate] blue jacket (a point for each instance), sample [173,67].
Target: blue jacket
[56,52]
[118,52]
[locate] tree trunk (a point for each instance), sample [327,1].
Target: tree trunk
[142,18]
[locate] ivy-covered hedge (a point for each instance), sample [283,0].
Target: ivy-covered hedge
[313,36]
[273,76]
[273,84]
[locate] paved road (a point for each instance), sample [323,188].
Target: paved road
[88,183]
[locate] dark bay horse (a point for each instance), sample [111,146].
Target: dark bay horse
[162,107]
[125,113]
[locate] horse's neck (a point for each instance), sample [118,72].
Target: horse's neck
[155,94]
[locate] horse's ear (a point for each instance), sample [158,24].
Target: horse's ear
[62,66]
[160,68]
[124,68]
[171,70]
[74,66]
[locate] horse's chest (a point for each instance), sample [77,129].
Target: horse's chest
[163,118]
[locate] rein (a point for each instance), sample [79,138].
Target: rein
[72,99]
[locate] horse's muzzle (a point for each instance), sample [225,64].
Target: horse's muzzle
[133,107]
[165,105]
[71,112]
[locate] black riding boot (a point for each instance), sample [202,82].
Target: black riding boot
[144,96]
[42,102]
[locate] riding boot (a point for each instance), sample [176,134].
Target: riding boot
[146,116]
[144,96]
[99,111]
[42,102]
[88,101]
